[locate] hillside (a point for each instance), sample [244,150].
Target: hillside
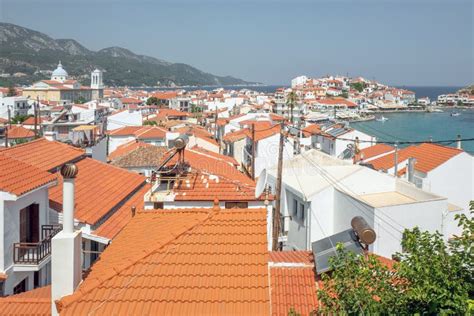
[468,89]
[33,53]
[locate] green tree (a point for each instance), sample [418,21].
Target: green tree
[359,86]
[290,102]
[151,123]
[440,274]
[152,101]
[18,119]
[432,277]
[359,285]
[81,100]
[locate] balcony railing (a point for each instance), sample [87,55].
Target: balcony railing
[34,253]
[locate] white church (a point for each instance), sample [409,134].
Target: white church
[61,88]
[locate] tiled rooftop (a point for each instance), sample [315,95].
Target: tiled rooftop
[213,165]
[180,262]
[126,148]
[18,131]
[143,156]
[428,157]
[18,178]
[113,225]
[204,187]
[44,154]
[293,282]
[36,302]
[99,189]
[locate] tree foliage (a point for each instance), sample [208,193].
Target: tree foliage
[432,277]
[150,123]
[152,101]
[358,285]
[359,86]
[18,119]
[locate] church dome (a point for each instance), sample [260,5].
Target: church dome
[59,72]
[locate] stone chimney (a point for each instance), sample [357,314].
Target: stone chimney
[66,263]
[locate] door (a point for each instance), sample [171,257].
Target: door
[29,223]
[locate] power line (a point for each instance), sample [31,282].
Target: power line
[396,142]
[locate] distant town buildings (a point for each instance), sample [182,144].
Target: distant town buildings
[62,89]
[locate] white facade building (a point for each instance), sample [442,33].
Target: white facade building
[321,194]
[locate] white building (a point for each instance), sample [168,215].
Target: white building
[321,194]
[443,170]
[25,252]
[339,140]
[18,105]
[300,80]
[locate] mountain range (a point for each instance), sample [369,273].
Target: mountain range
[30,54]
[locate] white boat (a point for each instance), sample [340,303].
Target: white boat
[381,119]
[455,114]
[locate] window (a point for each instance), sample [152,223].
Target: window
[158,205]
[236,204]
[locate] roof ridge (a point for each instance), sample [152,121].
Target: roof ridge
[131,262]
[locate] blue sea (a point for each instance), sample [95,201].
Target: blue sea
[422,126]
[404,126]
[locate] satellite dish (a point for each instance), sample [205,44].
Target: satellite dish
[261,183]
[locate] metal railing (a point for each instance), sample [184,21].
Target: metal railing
[34,253]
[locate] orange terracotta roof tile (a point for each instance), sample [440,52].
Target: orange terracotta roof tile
[312,129]
[211,164]
[100,188]
[216,155]
[44,154]
[31,121]
[125,131]
[150,132]
[36,302]
[113,225]
[18,131]
[204,187]
[18,178]
[180,262]
[235,136]
[264,132]
[293,288]
[375,150]
[292,256]
[428,157]
[126,148]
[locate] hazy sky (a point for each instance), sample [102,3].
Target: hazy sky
[404,42]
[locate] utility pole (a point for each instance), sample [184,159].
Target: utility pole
[9,116]
[7,127]
[252,126]
[36,119]
[276,210]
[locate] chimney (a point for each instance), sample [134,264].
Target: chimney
[411,169]
[66,261]
[458,142]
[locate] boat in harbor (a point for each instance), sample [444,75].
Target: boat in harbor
[381,119]
[455,114]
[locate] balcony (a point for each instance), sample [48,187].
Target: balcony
[34,253]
